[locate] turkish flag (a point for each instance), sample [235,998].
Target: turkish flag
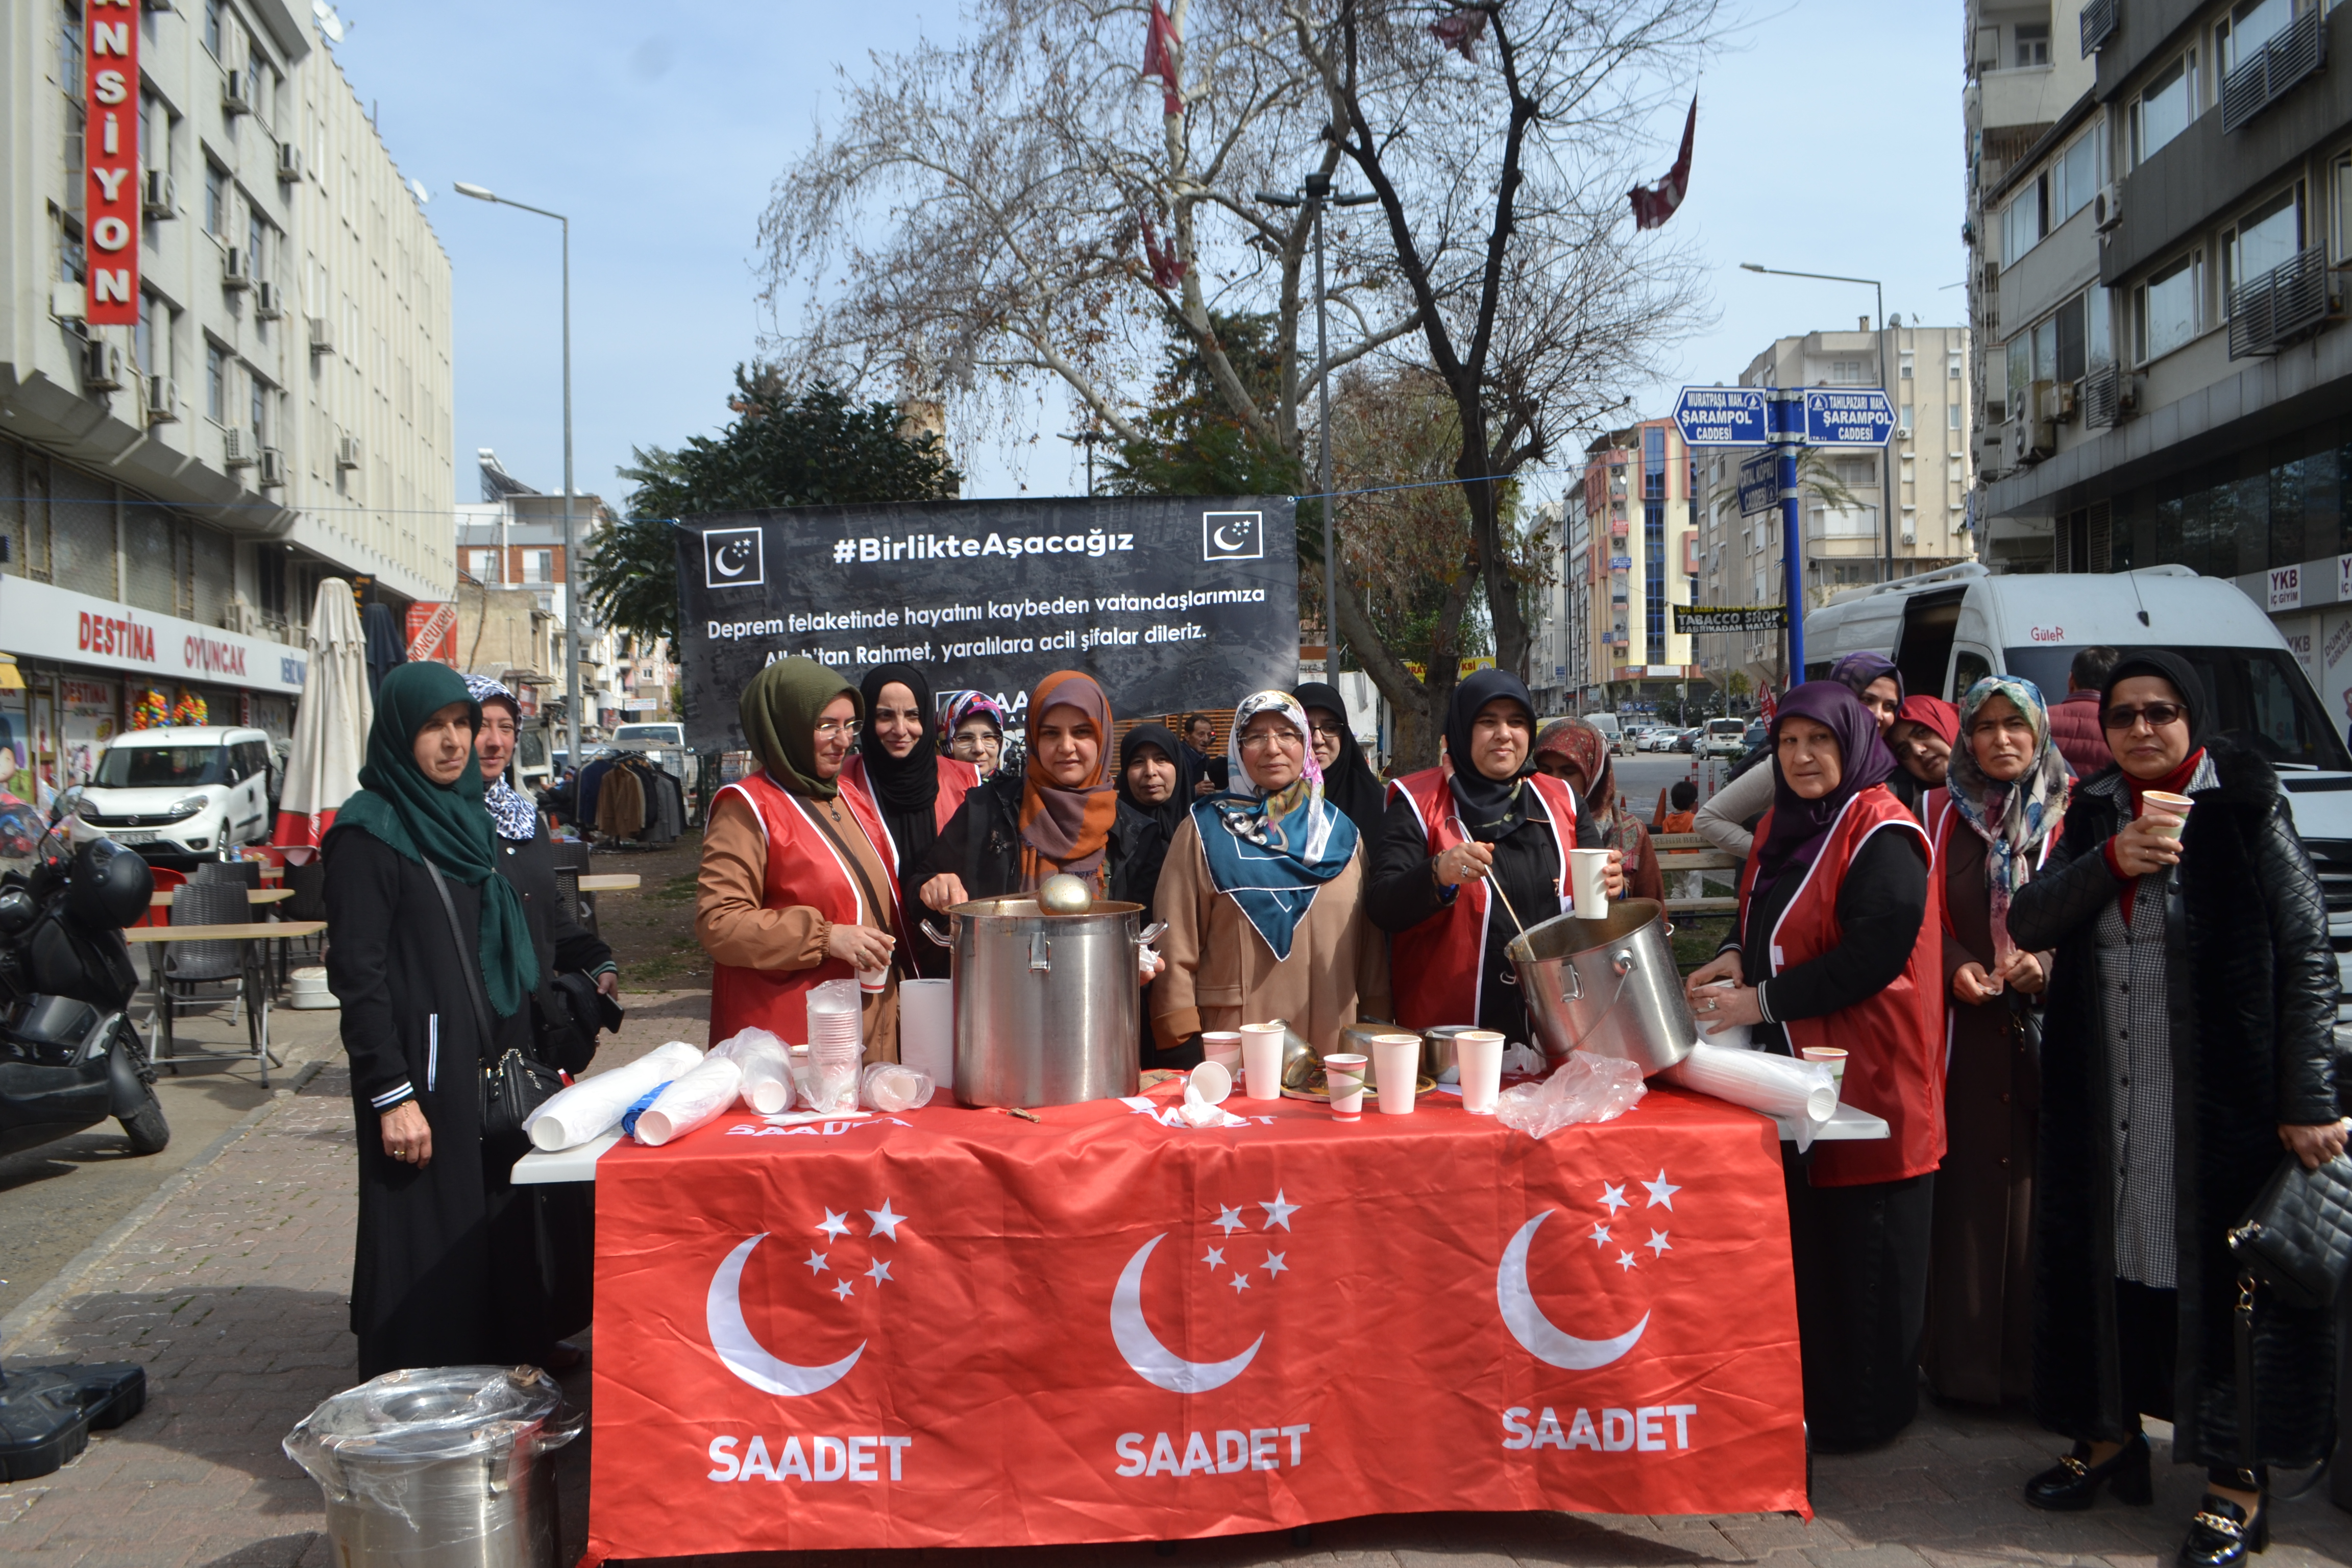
[950,1328]
[1654,204]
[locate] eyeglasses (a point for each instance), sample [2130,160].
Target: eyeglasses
[1286,739]
[2158,714]
[1327,731]
[827,729]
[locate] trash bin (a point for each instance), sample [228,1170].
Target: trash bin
[447,1466]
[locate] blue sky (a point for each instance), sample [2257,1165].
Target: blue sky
[660,128]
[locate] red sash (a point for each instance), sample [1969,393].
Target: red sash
[803,868]
[1434,967]
[956,780]
[1894,1066]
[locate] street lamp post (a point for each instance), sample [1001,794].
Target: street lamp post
[571,536]
[1886,490]
[1315,196]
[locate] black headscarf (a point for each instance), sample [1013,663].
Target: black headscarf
[907,788]
[1348,782]
[1170,813]
[2172,666]
[1490,809]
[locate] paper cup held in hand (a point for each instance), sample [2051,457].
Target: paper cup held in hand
[2166,811]
[1222,1046]
[1396,1071]
[1588,882]
[1262,1061]
[1479,1054]
[1209,1084]
[874,981]
[1343,1075]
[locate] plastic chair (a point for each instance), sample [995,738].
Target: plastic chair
[571,861]
[166,882]
[198,976]
[247,872]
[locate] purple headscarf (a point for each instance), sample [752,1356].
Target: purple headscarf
[1856,671]
[1800,826]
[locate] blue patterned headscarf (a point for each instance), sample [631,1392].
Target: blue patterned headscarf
[1271,854]
[2014,820]
[516,818]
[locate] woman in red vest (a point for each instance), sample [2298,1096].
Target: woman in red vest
[1484,811]
[907,783]
[1839,943]
[796,885]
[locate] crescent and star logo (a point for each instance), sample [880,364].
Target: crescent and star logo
[1538,1334]
[740,1351]
[733,558]
[1233,536]
[1141,1347]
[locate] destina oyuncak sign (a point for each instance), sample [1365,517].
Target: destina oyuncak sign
[1171,603]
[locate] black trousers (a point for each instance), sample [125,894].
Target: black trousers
[2147,1357]
[1861,1258]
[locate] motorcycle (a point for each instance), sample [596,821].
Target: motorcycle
[69,1055]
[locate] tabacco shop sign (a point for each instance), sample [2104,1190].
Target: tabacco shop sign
[39,621]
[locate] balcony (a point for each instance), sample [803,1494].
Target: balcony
[2291,300]
[2299,51]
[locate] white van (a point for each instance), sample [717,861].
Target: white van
[1946,630]
[179,791]
[1724,738]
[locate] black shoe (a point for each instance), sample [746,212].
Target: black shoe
[2219,1534]
[2073,1481]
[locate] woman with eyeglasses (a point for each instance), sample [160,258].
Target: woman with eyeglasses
[1486,817]
[796,886]
[972,731]
[2189,1040]
[1262,893]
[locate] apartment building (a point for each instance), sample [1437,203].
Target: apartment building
[1560,661]
[1636,499]
[171,491]
[2160,264]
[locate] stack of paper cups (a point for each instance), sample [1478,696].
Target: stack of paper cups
[927,1027]
[836,1042]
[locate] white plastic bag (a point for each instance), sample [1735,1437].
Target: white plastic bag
[1520,1059]
[892,1086]
[694,1097]
[1585,1088]
[767,1069]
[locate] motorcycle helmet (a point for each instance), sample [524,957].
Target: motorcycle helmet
[17,911]
[111,885]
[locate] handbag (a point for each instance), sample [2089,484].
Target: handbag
[2296,1239]
[516,1084]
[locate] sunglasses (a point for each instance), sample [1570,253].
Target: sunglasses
[2158,714]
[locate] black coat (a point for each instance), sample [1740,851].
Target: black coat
[2252,1006]
[981,843]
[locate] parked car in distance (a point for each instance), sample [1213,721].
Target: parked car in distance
[179,792]
[1723,738]
[1610,730]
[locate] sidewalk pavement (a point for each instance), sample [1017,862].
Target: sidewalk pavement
[232,1292]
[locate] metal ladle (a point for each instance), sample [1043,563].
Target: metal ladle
[1062,894]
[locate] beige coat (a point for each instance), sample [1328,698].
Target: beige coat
[1220,973]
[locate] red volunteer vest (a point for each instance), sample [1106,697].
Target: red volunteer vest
[1894,1040]
[803,868]
[1434,968]
[956,780]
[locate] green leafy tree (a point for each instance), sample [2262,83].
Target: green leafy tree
[1193,444]
[784,446]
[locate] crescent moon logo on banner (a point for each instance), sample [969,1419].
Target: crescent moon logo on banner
[744,1355]
[1223,542]
[1153,1362]
[1537,1334]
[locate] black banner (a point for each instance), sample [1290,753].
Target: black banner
[1170,604]
[1731,617]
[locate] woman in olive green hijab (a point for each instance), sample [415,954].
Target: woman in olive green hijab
[797,886]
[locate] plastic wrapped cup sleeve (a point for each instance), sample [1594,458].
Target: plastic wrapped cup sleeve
[767,1069]
[593,1107]
[700,1094]
[891,1086]
[1761,1080]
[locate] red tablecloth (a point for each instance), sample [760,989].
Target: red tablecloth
[958,1327]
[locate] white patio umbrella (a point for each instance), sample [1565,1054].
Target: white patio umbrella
[331,727]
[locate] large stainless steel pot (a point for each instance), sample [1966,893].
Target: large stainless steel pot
[1048,1007]
[1608,986]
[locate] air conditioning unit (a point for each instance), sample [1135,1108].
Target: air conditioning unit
[237,449]
[236,97]
[2064,399]
[163,399]
[236,268]
[289,161]
[157,197]
[2033,435]
[266,304]
[273,469]
[348,452]
[2108,206]
[102,367]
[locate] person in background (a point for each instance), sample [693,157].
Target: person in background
[908,784]
[1262,893]
[972,731]
[2074,721]
[2192,1021]
[1209,770]
[1483,817]
[1724,820]
[1682,810]
[1925,731]
[1156,785]
[796,886]
[431,1285]
[1838,943]
[1347,780]
[1573,750]
[2006,796]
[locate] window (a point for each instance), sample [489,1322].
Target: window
[2164,107]
[2265,237]
[539,565]
[253,252]
[2251,24]
[2033,44]
[215,384]
[216,202]
[2073,178]
[69,60]
[482,564]
[2021,371]
[261,409]
[2171,308]
[2023,222]
[2066,333]
[1952,367]
[1852,472]
[1906,419]
[1951,415]
[1906,371]
[1849,373]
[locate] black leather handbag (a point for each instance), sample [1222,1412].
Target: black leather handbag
[516,1084]
[2296,1237]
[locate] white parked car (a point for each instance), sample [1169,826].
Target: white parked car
[1722,738]
[181,792]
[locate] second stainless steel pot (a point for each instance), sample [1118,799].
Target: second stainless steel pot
[1608,986]
[1048,1007]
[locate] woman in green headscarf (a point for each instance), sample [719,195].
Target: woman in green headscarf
[430,1284]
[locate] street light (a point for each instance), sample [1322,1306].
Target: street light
[571,539]
[1886,491]
[1315,196]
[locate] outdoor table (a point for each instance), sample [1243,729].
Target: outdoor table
[161,937]
[954,1327]
[609,881]
[248,931]
[264,896]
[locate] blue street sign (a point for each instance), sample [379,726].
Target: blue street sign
[1759,483]
[1852,417]
[1721,415]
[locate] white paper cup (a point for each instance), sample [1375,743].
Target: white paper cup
[1262,1061]
[874,981]
[1222,1046]
[1396,1071]
[1588,882]
[1829,1057]
[2168,811]
[927,1029]
[1209,1083]
[1344,1075]
[1479,1054]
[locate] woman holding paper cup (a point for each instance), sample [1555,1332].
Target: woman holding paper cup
[796,886]
[2190,1034]
[1262,893]
[1839,945]
[2007,795]
[1484,817]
